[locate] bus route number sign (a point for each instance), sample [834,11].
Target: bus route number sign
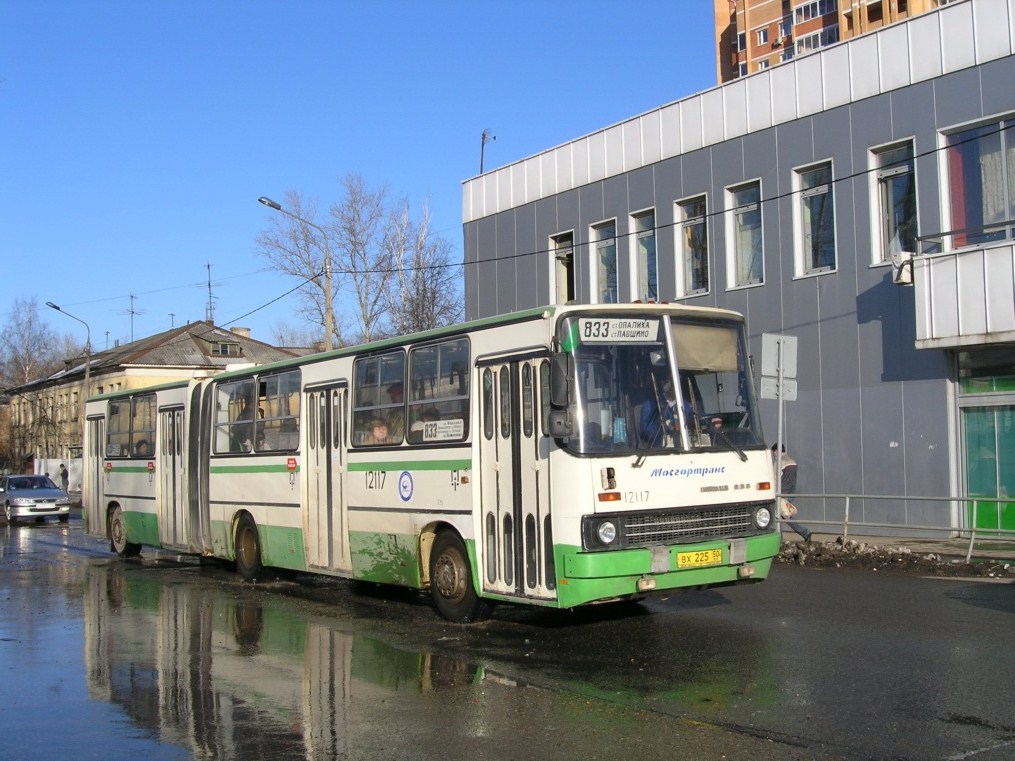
[617,330]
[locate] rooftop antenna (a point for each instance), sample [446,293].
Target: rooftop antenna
[209,310]
[172,319]
[133,312]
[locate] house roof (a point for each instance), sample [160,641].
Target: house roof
[195,346]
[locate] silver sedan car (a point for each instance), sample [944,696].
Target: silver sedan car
[33,496]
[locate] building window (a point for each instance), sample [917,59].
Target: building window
[762,37]
[785,28]
[563,257]
[821,39]
[816,218]
[814,9]
[762,64]
[692,246]
[605,264]
[895,225]
[744,230]
[742,41]
[742,69]
[981,183]
[646,285]
[787,54]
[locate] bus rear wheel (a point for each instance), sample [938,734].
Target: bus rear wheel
[118,536]
[451,587]
[248,549]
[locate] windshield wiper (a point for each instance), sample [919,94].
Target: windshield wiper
[729,442]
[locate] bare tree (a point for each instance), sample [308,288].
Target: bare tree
[426,292]
[30,351]
[290,336]
[296,248]
[358,226]
[395,271]
[29,345]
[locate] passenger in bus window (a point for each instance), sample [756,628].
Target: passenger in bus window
[377,433]
[242,433]
[396,418]
[141,448]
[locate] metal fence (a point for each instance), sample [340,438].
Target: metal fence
[957,518]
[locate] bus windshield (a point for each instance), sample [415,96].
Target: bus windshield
[659,384]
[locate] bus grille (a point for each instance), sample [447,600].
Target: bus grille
[677,527]
[687,527]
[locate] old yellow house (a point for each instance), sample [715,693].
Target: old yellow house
[45,416]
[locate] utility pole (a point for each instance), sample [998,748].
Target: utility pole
[329,312]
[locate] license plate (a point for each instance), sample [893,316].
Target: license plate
[699,558]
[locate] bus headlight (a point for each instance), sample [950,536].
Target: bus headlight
[607,532]
[762,517]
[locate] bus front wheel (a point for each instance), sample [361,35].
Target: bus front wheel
[451,585]
[118,536]
[248,549]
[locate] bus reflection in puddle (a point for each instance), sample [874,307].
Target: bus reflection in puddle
[226,678]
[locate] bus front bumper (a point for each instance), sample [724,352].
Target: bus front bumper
[600,576]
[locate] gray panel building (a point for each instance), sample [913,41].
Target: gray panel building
[862,199]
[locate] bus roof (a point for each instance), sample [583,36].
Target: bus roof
[538,313]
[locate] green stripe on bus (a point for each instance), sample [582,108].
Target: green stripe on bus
[412,465]
[252,469]
[128,469]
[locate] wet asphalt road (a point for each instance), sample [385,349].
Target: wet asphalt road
[164,658]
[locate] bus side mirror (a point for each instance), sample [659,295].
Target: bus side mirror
[560,424]
[561,379]
[559,420]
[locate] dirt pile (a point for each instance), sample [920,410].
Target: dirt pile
[873,557]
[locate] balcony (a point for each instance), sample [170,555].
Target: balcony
[965,296]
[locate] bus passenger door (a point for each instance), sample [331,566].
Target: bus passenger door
[171,503]
[516,547]
[93,485]
[326,515]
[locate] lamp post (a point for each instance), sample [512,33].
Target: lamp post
[485,138]
[329,313]
[88,369]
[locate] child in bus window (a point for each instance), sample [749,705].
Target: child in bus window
[377,433]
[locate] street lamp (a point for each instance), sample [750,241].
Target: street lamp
[88,369]
[485,138]
[329,313]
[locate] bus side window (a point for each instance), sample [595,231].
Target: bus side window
[439,399]
[379,395]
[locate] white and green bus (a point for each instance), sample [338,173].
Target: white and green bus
[519,459]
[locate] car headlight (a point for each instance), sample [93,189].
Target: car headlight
[23,501]
[762,517]
[606,531]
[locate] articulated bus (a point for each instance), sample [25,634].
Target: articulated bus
[559,456]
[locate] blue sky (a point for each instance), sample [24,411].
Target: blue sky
[136,136]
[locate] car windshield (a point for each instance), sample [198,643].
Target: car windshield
[31,482]
[658,384]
